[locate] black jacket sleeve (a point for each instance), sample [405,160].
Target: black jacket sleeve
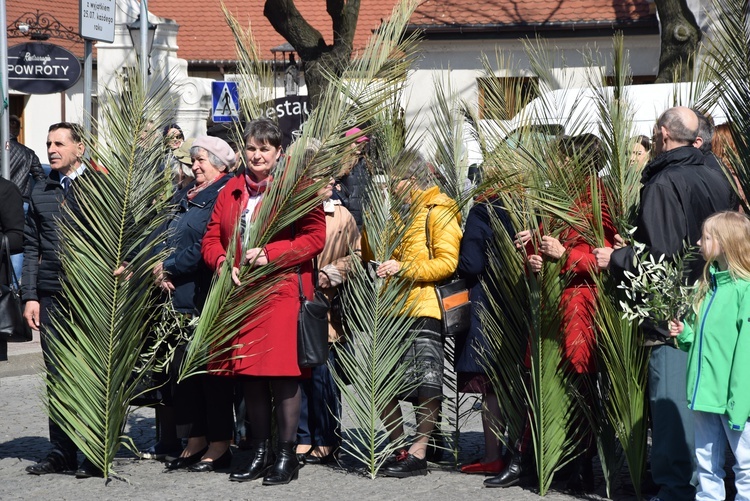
[11,216]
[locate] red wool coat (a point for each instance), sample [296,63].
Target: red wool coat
[268,341]
[578,301]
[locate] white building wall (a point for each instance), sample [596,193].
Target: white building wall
[460,61]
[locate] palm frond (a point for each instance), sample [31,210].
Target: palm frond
[256,79]
[105,320]
[293,192]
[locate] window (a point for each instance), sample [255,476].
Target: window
[501,98]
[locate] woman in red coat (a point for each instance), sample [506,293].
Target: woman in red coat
[266,356]
[578,299]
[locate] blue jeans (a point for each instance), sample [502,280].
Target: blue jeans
[16,260]
[710,444]
[672,450]
[320,410]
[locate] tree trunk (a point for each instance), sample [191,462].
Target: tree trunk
[316,55]
[679,41]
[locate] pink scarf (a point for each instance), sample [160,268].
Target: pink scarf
[192,192]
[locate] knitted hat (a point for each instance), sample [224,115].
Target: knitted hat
[218,147]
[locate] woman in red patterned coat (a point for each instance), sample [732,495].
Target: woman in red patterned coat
[266,356]
[578,302]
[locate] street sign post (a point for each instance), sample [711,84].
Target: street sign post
[226,101]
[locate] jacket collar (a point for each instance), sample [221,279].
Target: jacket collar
[684,155]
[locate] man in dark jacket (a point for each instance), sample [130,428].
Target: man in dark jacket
[41,284]
[679,192]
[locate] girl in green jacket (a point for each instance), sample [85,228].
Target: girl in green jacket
[718,342]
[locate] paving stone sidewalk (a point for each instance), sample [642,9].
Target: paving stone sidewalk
[23,440]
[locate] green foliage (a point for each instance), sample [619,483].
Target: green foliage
[104,324]
[291,194]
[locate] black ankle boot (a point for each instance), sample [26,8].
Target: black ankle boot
[260,463]
[510,475]
[286,468]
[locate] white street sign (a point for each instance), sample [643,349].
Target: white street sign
[97,20]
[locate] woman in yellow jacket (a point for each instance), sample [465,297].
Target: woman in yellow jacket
[434,212]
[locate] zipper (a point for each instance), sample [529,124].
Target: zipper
[700,344]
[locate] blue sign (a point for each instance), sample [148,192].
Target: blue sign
[226,101]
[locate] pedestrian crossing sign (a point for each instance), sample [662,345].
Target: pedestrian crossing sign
[226,101]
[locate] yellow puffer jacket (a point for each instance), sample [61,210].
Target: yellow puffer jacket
[412,253]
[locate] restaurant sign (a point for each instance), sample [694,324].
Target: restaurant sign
[42,68]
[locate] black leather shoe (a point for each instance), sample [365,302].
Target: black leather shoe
[181,462]
[286,468]
[327,459]
[511,475]
[88,470]
[410,466]
[53,463]
[222,463]
[260,463]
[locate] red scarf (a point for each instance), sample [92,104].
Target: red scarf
[254,188]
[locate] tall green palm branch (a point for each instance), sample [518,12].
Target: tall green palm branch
[256,82]
[105,321]
[293,193]
[623,361]
[522,322]
[371,363]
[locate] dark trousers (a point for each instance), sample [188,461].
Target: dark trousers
[320,410]
[672,450]
[203,404]
[61,443]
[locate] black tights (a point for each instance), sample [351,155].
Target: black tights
[286,397]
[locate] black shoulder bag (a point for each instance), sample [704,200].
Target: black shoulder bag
[452,295]
[312,323]
[13,327]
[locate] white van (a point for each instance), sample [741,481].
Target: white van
[576,111]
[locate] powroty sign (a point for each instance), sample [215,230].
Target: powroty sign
[42,68]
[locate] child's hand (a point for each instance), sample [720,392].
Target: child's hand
[675,327]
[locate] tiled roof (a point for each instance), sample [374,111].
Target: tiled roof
[204,34]
[434,13]
[64,11]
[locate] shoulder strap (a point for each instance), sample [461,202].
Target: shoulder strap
[302,296]
[427,230]
[10,272]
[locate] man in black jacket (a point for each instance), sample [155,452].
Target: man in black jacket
[679,192]
[41,284]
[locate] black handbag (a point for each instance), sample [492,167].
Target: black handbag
[312,325]
[453,297]
[13,327]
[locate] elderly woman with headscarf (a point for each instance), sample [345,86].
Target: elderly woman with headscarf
[202,410]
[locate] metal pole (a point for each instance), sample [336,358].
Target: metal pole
[87,81]
[144,42]
[4,127]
